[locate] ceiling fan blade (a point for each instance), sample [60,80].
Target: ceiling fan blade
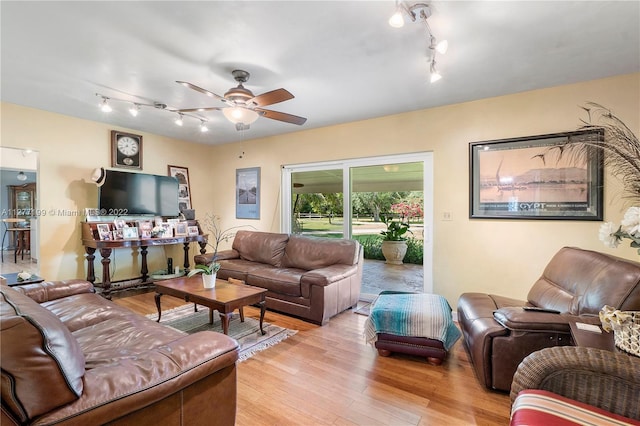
[201,90]
[198,109]
[281,116]
[272,97]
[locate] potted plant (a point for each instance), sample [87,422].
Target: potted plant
[216,235]
[394,243]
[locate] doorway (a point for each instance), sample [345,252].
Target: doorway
[347,199]
[19,207]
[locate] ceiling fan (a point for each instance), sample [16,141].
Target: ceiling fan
[243,107]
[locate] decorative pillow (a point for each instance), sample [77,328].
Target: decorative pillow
[42,363]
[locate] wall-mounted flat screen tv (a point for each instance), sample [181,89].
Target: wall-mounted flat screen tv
[126,193]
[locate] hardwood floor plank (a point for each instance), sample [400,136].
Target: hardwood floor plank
[329,375]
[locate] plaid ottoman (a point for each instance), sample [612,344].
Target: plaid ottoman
[412,323]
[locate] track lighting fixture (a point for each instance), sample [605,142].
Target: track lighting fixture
[397,20]
[435,75]
[420,11]
[134,110]
[104,105]
[135,107]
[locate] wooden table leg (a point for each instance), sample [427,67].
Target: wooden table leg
[145,269]
[225,321]
[262,309]
[106,274]
[157,297]
[186,257]
[91,274]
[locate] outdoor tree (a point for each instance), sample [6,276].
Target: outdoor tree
[378,202]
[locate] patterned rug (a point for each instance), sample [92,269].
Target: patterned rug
[247,333]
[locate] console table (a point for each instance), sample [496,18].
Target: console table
[92,242]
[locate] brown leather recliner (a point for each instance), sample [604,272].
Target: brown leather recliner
[498,333]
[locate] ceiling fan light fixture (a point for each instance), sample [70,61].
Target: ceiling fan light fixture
[203,126]
[239,114]
[179,121]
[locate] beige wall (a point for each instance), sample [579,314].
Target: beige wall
[69,149]
[469,255]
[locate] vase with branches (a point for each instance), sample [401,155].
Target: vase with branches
[621,150]
[216,235]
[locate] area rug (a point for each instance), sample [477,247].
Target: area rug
[247,333]
[363,310]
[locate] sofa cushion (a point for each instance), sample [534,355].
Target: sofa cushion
[314,253]
[261,247]
[277,280]
[33,336]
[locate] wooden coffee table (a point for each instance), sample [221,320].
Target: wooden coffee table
[225,297]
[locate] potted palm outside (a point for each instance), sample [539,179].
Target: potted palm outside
[394,243]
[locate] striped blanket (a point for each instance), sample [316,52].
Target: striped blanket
[415,315]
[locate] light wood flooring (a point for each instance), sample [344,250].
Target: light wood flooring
[329,376]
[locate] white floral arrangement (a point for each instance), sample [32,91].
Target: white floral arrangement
[629,228]
[23,276]
[157,231]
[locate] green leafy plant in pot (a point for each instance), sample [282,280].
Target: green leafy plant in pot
[215,235]
[394,245]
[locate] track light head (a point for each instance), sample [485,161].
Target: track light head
[104,105]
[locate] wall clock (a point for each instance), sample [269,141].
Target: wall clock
[126,150]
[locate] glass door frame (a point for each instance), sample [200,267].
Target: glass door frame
[425,157]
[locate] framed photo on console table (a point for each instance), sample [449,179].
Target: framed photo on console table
[248,193]
[526,178]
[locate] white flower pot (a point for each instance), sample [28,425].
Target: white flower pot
[394,251]
[209,281]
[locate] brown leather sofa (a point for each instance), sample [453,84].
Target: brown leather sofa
[311,278]
[72,357]
[498,333]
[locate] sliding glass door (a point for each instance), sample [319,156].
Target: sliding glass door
[350,198]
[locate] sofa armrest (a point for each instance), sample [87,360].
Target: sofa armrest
[207,258]
[517,319]
[52,290]
[329,274]
[605,379]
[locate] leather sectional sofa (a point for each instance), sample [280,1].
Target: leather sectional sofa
[71,357]
[499,333]
[310,278]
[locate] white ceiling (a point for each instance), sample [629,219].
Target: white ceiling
[340,59]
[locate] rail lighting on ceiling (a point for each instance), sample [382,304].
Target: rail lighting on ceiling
[421,12]
[135,107]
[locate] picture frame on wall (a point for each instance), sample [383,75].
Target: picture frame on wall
[248,193]
[184,185]
[525,178]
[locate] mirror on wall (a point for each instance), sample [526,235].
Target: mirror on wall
[18,210]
